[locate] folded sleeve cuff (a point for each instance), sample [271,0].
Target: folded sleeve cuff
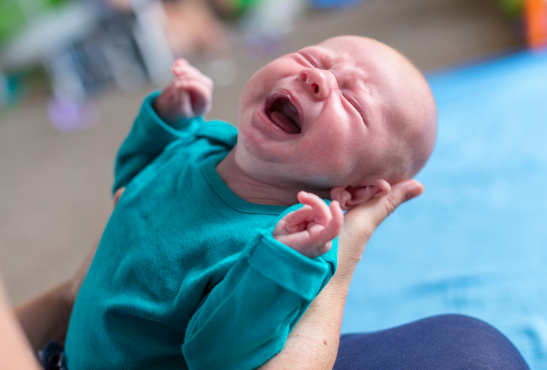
[290,269]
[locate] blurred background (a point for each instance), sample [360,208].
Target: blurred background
[73,74]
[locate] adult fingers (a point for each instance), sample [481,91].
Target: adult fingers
[117,195]
[363,219]
[400,193]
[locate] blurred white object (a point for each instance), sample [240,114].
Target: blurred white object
[223,71]
[47,33]
[150,36]
[65,80]
[267,25]
[272,18]
[86,47]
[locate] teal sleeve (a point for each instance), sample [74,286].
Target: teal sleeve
[147,140]
[246,319]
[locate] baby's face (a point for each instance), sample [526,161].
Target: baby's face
[321,113]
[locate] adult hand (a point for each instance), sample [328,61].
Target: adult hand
[361,221]
[313,343]
[14,347]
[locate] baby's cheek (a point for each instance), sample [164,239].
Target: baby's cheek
[327,169]
[336,147]
[246,141]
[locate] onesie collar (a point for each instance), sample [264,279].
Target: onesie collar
[210,173]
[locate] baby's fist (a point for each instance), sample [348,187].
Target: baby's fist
[189,95]
[310,229]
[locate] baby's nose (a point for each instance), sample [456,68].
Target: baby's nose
[316,82]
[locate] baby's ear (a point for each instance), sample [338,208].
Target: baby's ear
[350,196]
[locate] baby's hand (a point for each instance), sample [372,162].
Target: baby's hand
[310,229]
[189,95]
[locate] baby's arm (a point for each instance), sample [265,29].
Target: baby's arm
[248,315]
[166,117]
[189,95]
[310,229]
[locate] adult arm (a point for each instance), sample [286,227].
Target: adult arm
[276,283]
[45,318]
[15,351]
[248,315]
[313,343]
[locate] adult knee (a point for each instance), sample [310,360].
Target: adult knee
[466,340]
[450,342]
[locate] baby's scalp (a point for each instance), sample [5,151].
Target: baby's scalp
[409,107]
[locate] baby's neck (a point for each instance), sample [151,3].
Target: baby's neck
[254,189]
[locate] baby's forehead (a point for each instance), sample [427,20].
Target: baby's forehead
[353,52]
[350,41]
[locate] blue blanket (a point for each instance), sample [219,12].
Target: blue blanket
[475,242]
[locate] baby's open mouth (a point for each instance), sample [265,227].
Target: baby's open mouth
[285,115]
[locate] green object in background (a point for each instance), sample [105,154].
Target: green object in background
[232,9]
[12,19]
[12,16]
[512,8]
[57,3]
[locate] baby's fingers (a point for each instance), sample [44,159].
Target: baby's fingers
[332,229]
[179,65]
[322,234]
[183,70]
[184,80]
[297,220]
[321,211]
[200,97]
[198,91]
[294,222]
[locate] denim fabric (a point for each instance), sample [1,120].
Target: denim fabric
[52,356]
[446,342]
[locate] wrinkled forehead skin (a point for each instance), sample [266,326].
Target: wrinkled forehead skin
[403,101]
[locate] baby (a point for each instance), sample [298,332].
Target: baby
[209,259]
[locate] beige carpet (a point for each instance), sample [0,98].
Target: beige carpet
[55,187]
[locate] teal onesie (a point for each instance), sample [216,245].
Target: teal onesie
[187,274]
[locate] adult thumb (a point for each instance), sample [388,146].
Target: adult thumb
[400,192]
[362,220]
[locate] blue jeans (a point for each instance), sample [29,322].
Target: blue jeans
[446,342]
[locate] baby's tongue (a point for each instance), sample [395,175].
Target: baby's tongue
[280,120]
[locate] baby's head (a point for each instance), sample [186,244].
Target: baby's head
[345,118]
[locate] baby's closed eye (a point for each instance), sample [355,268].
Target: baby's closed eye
[354,104]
